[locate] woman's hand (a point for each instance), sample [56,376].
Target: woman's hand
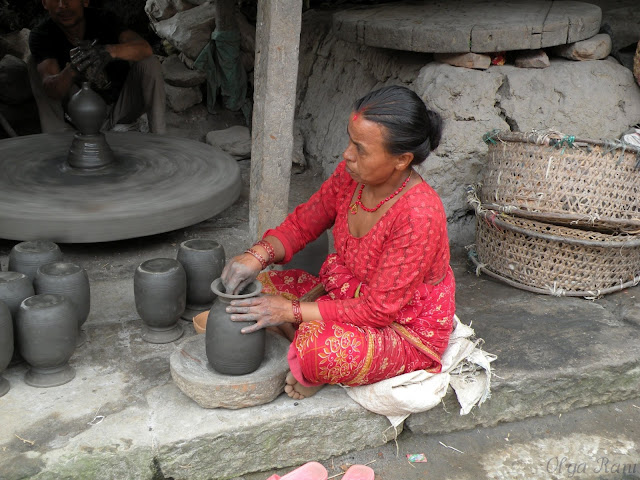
[240,272]
[267,311]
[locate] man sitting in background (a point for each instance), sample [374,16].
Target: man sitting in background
[77,43]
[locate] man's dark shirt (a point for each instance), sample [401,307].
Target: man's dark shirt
[47,40]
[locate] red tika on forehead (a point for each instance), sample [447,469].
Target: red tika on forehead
[355,117]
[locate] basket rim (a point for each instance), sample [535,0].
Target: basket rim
[560,292]
[497,218]
[553,138]
[605,224]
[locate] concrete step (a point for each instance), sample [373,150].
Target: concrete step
[123,417]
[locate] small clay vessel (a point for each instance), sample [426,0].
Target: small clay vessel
[203,261]
[160,291]
[229,351]
[47,331]
[14,288]
[87,110]
[27,257]
[6,345]
[70,280]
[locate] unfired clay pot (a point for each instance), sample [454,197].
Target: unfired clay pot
[87,109]
[70,280]
[203,261]
[229,351]
[14,288]
[6,345]
[47,330]
[160,290]
[27,257]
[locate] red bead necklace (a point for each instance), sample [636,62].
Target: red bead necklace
[353,208]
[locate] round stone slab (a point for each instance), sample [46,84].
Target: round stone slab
[156,184]
[468,25]
[198,380]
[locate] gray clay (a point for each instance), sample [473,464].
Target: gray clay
[203,261]
[47,330]
[229,351]
[6,344]
[70,280]
[160,291]
[27,257]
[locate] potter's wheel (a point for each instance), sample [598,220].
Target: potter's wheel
[154,185]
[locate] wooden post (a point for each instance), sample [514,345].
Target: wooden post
[276,72]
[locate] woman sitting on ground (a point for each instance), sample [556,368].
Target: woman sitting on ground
[389,302]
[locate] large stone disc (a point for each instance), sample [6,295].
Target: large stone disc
[156,184]
[478,26]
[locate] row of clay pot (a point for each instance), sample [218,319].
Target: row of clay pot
[166,289]
[43,303]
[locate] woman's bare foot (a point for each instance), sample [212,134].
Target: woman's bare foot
[297,391]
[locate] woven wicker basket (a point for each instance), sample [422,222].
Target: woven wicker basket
[562,180]
[552,259]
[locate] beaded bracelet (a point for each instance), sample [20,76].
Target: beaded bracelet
[269,248]
[297,312]
[259,257]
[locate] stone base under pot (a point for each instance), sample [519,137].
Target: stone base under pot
[196,378]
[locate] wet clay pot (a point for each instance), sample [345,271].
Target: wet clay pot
[160,290]
[14,288]
[6,345]
[27,257]
[203,261]
[229,351]
[70,280]
[47,331]
[87,110]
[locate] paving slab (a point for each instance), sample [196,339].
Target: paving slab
[468,25]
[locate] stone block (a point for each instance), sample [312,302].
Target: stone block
[16,44]
[190,30]
[532,59]
[594,48]
[14,81]
[177,74]
[179,99]
[236,141]
[197,379]
[467,60]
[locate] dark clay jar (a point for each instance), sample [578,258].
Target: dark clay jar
[70,280]
[203,261]
[229,351]
[6,345]
[27,257]
[47,330]
[160,290]
[87,109]
[14,288]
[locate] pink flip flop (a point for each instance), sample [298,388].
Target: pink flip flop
[359,472]
[309,471]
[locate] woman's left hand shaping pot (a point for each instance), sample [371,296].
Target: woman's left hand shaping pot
[266,311]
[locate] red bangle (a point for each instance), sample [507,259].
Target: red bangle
[297,312]
[269,248]
[259,257]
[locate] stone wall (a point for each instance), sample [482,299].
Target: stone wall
[594,99]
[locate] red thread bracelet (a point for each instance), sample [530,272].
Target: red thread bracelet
[297,312]
[259,257]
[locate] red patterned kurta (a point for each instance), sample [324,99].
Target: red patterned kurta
[390,294]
